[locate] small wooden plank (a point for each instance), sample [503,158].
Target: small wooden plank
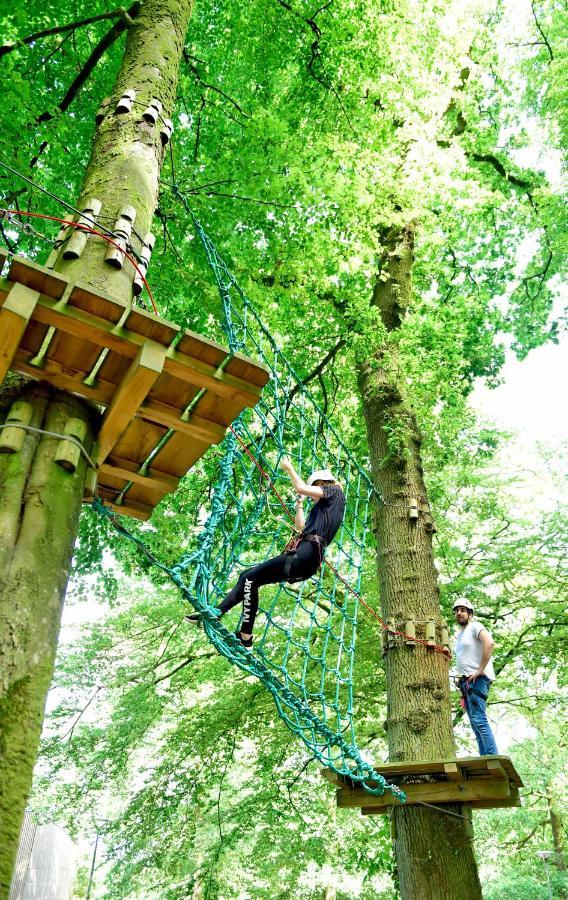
[496,769]
[436,792]
[133,388]
[83,298]
[88,327]
[243,367]
[151,327]
[333,777]
[453,771]
[200,429]
[3,257]
[15,314]
[38,278]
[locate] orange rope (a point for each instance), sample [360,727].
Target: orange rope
[86,228]
[438,648]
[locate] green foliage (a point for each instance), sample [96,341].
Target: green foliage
[299,135]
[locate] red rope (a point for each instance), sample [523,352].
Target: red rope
[438,648]
[86,228]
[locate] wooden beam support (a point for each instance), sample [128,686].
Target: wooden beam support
[436,792]
[192,370]
[104,333]
[495,769]
[133,509]
[333,777]
[15,314]
[37,277]
[196,427]
[134,387]
[472,766]
[453,771]
[155,480]
[62,377]
[514,799]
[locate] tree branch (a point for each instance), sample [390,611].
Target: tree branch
[107,41]
[71,26]
[315,373]
[541,32]
[193,69]
[499,168]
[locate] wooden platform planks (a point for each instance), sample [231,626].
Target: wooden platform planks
[152,380]
[480,782]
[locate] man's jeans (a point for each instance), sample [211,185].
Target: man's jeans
[475,695]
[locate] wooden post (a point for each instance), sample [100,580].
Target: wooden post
[14,317]
[68,452]
[11,439]
[77,242]
[142,374]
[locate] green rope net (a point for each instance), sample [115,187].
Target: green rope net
[305,634]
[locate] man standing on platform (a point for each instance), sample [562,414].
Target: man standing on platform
[474,648]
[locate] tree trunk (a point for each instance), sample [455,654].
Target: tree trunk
[40,501]
[559,858]
[433,850]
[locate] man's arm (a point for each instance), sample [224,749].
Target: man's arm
[300,486]
[487,644]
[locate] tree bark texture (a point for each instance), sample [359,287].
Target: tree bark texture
[128,152]
[433,850]
[40,501]
[559,858]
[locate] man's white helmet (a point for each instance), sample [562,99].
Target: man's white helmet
[320,475]
[465,603]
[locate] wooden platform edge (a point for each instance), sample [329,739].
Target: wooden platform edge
[478,782]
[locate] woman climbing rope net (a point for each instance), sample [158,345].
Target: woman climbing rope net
[303,555]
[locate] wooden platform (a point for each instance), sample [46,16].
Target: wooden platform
[167,394]
[481,782]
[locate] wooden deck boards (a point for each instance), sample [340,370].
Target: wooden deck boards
[480,782]
[136,366]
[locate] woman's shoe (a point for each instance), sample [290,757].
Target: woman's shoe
[246,642]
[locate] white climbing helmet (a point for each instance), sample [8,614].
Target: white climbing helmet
[465,603]
[320,475]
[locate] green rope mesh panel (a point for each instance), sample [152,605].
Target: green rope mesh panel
[304,650]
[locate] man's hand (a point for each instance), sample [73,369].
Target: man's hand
[472,678]
[286,464]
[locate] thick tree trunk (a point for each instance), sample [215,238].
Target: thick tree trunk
[433,850]
[40,504]
[559,858]
[39,500]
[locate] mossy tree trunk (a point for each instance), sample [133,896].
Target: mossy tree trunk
[433,850]
[40,501]
[557,827]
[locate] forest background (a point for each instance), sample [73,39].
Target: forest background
[301,133]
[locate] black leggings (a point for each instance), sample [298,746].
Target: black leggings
[304,563]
